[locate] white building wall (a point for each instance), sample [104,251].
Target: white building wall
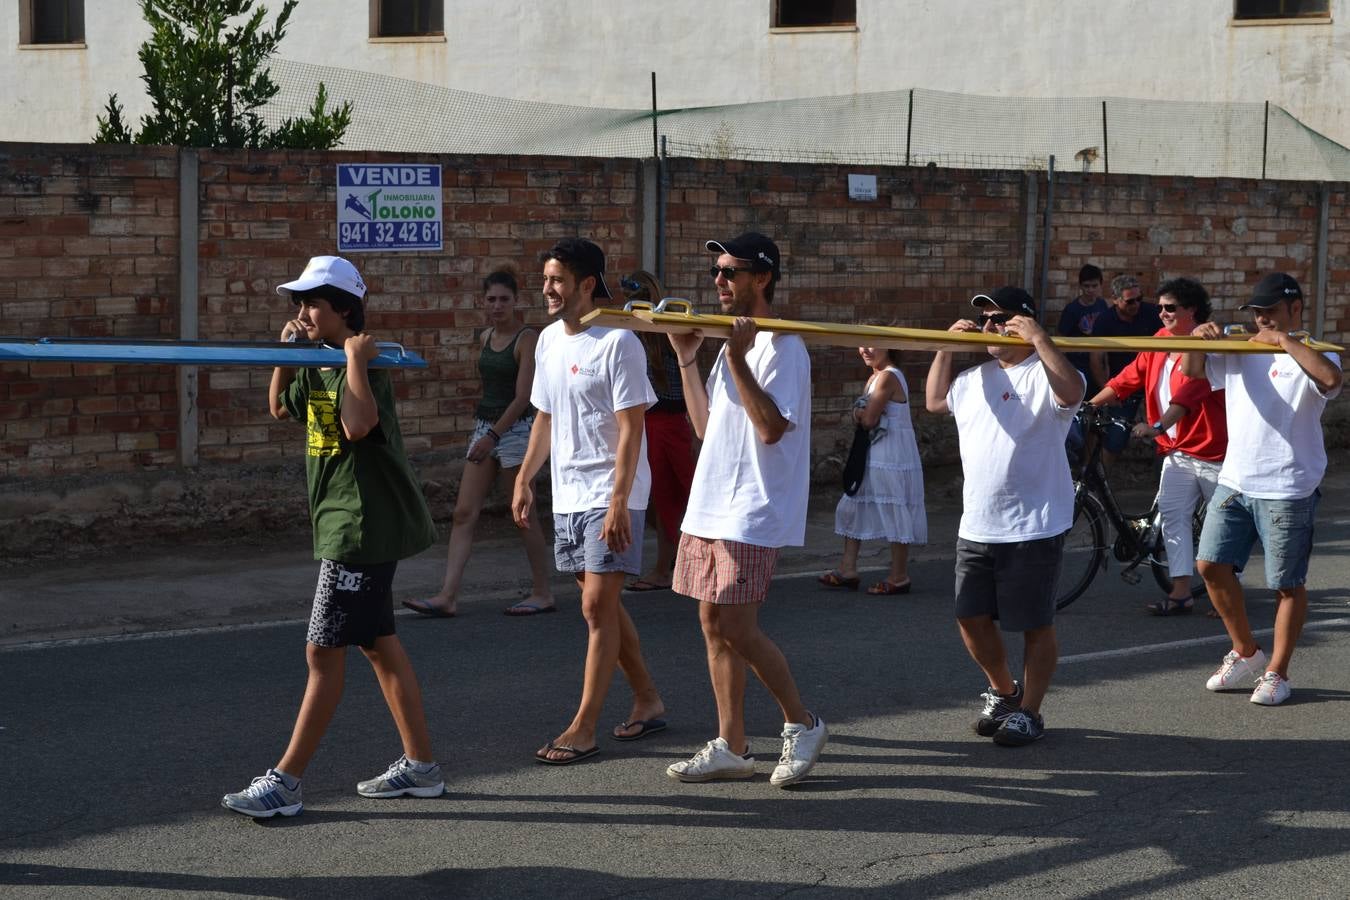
[599,53]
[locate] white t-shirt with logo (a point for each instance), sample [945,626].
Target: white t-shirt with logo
[744,489]
[1018,484]
[1275,446]
[581,381]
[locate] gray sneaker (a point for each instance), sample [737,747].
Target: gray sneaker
[997,709]
[402,779]
[265,797]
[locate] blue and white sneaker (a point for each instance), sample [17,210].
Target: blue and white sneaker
[1020,729]
[403,779]
[265,797]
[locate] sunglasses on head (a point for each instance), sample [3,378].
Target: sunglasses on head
[729,272]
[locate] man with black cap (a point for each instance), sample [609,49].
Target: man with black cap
[1268,483]
[1012,415]
[747,501]
[592,393]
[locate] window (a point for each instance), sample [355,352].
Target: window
[1246,10]
[51,21]
[407,18]
[814,13]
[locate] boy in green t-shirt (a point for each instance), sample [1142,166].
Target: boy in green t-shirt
[368,512]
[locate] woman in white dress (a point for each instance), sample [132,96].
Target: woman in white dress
[889,504]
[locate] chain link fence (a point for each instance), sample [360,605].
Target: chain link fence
[914,127]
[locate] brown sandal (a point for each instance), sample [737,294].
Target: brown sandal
[836,579]
[887,588]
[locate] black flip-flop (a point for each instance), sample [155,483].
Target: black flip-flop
[528,609]
[643,584]
[1169,607]
[422,607]
[645,727]
[577,755]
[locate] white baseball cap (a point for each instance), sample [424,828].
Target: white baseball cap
[330,270]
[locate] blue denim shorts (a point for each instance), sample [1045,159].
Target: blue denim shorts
[577,546]
[1234,522]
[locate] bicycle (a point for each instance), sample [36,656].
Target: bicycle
[1138,538]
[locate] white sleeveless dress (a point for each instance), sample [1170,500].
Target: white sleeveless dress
[889,504]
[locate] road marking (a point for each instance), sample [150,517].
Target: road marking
[1190,642]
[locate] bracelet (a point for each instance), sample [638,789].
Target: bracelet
[497,438]
[685,365]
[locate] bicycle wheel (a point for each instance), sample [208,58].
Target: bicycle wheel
[1157,557]
[1084,549]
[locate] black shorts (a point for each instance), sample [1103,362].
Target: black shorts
[353,604]
[1013,583]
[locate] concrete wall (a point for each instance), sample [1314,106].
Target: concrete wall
[599,53]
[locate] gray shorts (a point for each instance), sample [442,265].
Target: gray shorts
[577,546]
[1013,583]
[510,450]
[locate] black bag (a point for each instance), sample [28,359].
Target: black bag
[856,464]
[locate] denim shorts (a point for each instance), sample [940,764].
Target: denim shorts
[1234,522]
[510,450]
[577,546]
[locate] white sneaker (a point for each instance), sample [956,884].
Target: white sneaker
[801,749]
[713,762]
[1271,690]
[1236,672]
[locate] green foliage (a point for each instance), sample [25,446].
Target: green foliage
[207,80]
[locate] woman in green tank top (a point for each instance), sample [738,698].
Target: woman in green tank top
[497,447]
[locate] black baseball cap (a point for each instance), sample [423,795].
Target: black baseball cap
[1007,298]
[582,258]
[753,246]
[1272,289]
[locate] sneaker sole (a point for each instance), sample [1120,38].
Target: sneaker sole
[800,776]
[712,776]
[293,810]
[434,790]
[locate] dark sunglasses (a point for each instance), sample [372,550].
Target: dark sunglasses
[1170,307]
[1000,318]
[1133,300]
[728,272]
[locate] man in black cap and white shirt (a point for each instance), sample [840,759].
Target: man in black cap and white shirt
[1268,484]
[592,393]
[1012,415]
[747,501]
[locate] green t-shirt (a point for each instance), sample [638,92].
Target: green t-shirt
[365,503]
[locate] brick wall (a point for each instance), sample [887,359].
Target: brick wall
[89,246]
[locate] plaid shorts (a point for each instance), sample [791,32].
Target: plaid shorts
[726,573]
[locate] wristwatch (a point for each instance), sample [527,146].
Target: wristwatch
[1157,427]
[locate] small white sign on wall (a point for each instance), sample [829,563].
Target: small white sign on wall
[862,187]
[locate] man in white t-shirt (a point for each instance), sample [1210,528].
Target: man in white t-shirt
[747,501]
[1012,415]
[592,393]
[1268,483]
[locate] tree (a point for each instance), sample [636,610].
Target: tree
[207,80]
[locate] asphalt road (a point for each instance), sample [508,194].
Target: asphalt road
[114,754]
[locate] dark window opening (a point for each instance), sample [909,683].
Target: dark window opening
[406,18]
[55,22]
[814,13]
[1282,9]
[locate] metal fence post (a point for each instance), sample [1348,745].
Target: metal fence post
[1106,147]
[909,125]
[1047,224]
[1265,139]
